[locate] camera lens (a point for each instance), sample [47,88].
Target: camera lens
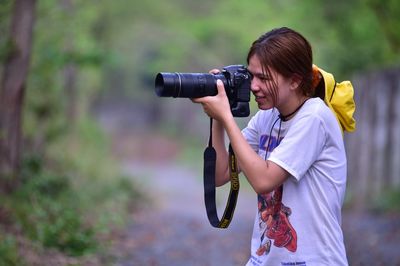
[167,85]
[186,85]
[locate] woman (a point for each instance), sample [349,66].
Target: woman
[291,152]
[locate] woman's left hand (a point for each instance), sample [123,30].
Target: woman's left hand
[216,107]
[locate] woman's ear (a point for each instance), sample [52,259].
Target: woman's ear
[296,81]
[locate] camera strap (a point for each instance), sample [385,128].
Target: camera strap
[210,158]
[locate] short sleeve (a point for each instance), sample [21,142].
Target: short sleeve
[251,134]
[301,146]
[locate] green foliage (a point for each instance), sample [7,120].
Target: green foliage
[189,36]
[387,14]
[8,250]
[65,202]
[62,228]
[64,38]
[48,211]
[388,202]
[72,195]
[6,46]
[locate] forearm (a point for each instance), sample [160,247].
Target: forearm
[222,172]
[263,176]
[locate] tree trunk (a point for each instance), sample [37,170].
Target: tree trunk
[12,92]
[70,71]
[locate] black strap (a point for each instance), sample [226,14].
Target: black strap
[285,117]
[333,91]
[210,158]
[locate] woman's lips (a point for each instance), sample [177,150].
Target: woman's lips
[259,98]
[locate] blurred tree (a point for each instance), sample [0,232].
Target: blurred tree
[64,72]
[388,15]
[70,69]
[12,91]
[346,35]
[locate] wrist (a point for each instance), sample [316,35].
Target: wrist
[228,120]
[219,124]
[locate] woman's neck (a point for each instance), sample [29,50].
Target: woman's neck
[290,109]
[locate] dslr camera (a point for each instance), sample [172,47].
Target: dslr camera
[236,79]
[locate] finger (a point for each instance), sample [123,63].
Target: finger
[220,87]
[214,71]
[200,100]
[195,100]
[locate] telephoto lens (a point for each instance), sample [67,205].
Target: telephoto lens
[187,85]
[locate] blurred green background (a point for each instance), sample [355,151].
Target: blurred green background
[89,93]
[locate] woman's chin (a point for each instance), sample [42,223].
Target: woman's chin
[264,105]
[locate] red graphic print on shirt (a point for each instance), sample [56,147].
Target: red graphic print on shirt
[274,220]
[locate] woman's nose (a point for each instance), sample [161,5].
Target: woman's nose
[254,86]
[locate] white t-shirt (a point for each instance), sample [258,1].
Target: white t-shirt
[301,223]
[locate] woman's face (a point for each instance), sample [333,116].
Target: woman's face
[269,91]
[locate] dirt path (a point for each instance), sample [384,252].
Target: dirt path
[173,229]
[372,238]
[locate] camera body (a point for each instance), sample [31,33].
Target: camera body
[236,79]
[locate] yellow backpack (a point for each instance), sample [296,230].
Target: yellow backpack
[339,97]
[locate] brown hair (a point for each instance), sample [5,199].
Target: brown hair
[287,52]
